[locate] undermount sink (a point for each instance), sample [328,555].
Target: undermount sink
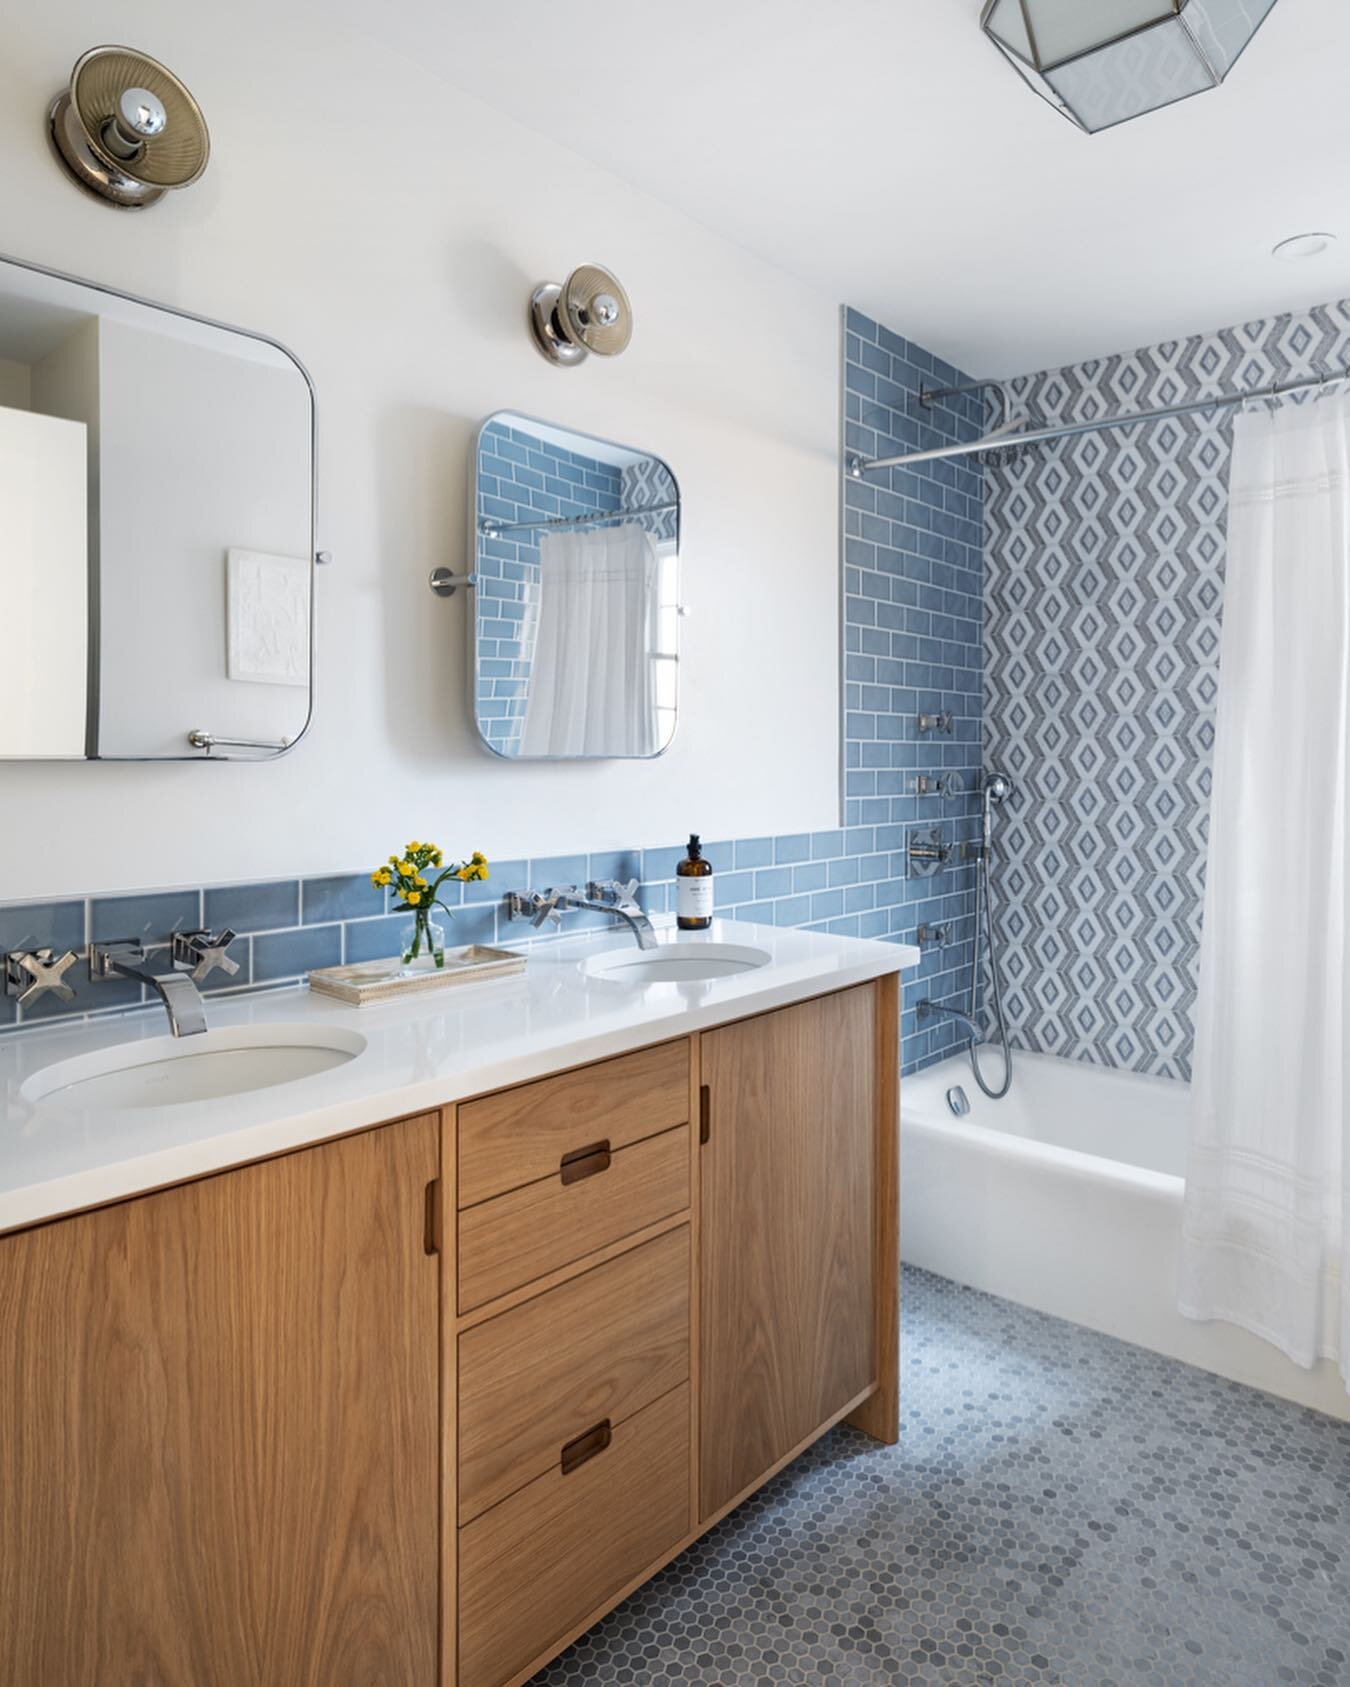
[677,962]
[173,1071]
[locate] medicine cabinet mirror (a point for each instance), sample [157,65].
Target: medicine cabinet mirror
[156,530]
[574,622]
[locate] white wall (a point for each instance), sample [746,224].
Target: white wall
[389,227]
[65,383]
[225,441]
[43,584]
[15,384]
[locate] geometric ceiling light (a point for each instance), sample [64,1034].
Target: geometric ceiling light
[126,129]
[1101,62]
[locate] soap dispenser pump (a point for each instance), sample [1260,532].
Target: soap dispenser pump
[693,889]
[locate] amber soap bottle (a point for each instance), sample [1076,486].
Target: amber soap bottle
[693,889]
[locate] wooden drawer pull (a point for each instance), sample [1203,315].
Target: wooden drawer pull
[586,1446]
[585,1162]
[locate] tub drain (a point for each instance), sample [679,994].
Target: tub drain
[958,1101]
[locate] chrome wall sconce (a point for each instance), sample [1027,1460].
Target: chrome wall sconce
[589,312]
[126,129]
[1103,63]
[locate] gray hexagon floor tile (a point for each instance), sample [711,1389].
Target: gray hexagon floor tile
[1061,1509]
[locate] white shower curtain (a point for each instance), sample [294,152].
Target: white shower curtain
[592,683]
[1265,1232]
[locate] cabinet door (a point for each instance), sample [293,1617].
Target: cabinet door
[218,1430]
[788,1183]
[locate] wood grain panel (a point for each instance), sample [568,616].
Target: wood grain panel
[219,1447]
[526,1233]
[519,1135]
[880,1415]
[788,1220]
[536,1564]
[604,1345]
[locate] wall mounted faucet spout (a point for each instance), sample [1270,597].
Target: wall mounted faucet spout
[601,896]
[180,996]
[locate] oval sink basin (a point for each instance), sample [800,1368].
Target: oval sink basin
[173,1071]
[674,963]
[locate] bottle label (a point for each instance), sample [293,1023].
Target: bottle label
[694,897]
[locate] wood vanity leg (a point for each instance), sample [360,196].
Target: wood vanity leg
[448,1242]
[879,1414]
[695,1269]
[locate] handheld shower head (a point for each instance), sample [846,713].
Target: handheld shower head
[995,789]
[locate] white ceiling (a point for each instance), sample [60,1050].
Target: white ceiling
[882,151]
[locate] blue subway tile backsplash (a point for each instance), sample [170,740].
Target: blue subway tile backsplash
[345,896]
[140,918]
[913,584]
[252,907]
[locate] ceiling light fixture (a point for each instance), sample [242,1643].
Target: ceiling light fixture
[1104,63]
[1303,246]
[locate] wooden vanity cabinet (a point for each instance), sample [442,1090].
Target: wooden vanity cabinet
[417,1406]
[661,1336]
[219,1430]
[789,1304]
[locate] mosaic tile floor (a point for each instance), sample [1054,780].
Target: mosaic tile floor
[1062,1509]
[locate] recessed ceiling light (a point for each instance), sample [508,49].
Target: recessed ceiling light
[1303,246]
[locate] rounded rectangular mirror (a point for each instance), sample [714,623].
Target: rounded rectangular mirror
[156,529]
[574,624]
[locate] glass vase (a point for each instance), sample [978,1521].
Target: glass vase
[423,944]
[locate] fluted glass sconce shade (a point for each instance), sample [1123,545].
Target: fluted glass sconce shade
[1101,62]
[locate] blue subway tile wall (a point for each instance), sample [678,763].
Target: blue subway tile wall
[522,476]
[913,588]
[913,610]
[1105,558]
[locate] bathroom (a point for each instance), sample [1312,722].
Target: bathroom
[898,1238]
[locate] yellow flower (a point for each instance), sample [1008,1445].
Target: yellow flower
[406,868]
[465,873]
[375,879]
[421,880]
[412,846]
[478,859]
[435,858]
[414,897]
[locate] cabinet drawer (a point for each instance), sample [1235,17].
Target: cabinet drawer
[544,1559]
[602,1346]
[526,1233]
[518,1136]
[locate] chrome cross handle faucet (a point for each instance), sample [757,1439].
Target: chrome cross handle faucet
[601,896]
[181,998]
[539,907]
[608,896]
[201,952]
[29,973]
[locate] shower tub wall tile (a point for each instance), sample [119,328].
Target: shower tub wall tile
[1102,609]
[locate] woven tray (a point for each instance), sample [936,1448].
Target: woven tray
[383,981]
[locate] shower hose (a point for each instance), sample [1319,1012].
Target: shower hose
[984,906]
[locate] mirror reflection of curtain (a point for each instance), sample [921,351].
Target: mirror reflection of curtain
[592,688]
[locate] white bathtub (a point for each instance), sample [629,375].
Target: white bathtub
[1066,1196]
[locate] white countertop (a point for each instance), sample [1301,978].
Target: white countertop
[421,1053]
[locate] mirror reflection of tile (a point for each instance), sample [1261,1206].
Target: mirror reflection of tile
[524,475]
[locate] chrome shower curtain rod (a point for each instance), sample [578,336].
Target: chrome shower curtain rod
[1005,435]
[490,528]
